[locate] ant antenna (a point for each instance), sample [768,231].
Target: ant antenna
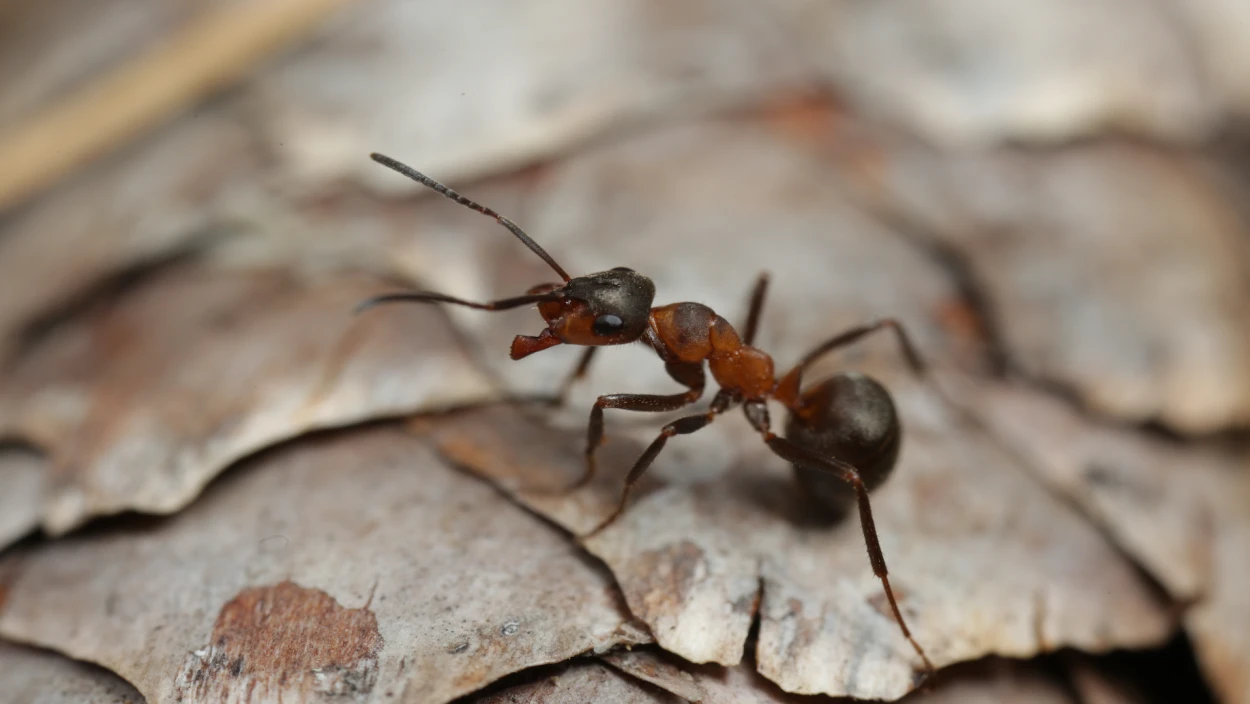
[431,183]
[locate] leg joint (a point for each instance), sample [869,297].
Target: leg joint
[689,424]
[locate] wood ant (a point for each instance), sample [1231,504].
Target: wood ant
[845,427]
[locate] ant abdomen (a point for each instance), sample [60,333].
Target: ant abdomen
[850,417]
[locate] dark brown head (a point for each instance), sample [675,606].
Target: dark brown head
[607,308]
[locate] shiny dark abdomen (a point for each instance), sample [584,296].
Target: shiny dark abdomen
[852,418]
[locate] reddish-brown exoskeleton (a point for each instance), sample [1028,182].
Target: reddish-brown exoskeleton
[844,428]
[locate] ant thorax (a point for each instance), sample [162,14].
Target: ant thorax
[692,332]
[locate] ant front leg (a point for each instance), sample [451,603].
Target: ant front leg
[689,375]
[757,414]
[724,401]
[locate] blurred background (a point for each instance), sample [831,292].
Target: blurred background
[1050,195]
[1076,170]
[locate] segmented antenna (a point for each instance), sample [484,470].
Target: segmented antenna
[431,183]
[429,297]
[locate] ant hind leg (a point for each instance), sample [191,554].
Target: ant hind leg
[798,454]
[788,385]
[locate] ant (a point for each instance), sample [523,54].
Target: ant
[845,427]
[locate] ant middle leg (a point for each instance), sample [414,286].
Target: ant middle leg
[723,401]
[689,375]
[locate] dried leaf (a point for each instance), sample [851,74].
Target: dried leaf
[142,403]
[1181,511]
[1220,622]
[579,682]
[993,681]
[1218,36]
[21,488]
[353,562]
[1111,269]
[985,561]
[1141,490]
[1094,686]
[966,72]
[710,684]
[660,671]
[39,677]
[141,205]
[510,83]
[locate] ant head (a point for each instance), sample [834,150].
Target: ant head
[608,308]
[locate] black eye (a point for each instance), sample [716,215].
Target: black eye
[607,324]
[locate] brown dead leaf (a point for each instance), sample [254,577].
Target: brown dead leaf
[33,676]
[1218,36]
[990,681]
[964,72]
[141,205]
[1094,686]
[1141,490]
[704,684]
[658,670]
[354,562]
[994,682]
[1113,269]
[21,488]
[579,682]
[142,403]
[528,84]
[985,560]
[1181,511]
[1220,622]
[509,83]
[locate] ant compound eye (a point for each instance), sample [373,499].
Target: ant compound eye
[607,324]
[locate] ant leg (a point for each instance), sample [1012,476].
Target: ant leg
[789,451]
[757,305]
[682,426]
[854,334]
[788,386]
[690,375]
[578,372]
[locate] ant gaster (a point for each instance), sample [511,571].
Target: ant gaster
[845,427]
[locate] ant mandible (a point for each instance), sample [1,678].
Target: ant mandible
[845,427]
